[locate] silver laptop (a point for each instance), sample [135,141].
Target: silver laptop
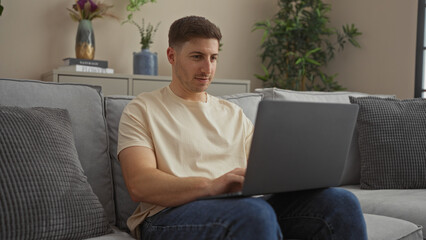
[297,146]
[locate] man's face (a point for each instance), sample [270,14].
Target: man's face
[194,64]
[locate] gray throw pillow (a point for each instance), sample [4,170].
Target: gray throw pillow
[44,193]
[392,142]
[247,101]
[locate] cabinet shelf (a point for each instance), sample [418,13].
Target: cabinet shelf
[127,84]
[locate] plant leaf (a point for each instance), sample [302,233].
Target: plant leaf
[310,60]
[312,51]
[265,70]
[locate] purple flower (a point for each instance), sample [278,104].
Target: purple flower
[89,10]
[93,5]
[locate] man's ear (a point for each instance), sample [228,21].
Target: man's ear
[171,55]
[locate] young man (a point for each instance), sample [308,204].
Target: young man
[179,143]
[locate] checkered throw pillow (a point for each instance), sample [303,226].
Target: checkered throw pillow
[392,142]
[44,193]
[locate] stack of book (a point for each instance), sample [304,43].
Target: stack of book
[85,65]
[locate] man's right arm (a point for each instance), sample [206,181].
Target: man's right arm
[146,183]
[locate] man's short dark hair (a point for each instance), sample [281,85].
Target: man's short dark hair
[187,28]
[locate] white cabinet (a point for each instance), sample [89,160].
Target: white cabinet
[126,84]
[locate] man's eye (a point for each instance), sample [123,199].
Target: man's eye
[196,57]
[214,59]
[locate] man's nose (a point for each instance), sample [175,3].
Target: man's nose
[207,66]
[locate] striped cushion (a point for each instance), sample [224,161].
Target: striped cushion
[392,142]
[44,193]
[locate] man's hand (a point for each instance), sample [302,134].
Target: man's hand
[229,182]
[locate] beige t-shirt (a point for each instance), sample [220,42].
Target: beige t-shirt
[204,139]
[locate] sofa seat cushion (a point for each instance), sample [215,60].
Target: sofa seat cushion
[406,204]
[85,106]
[388,228]
[116,235]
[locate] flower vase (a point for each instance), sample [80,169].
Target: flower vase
[145,62]
[85,40]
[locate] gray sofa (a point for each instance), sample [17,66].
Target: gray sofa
[390,214]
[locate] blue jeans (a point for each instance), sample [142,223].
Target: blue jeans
[330,213]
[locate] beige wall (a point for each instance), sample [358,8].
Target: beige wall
[36,35]
[386,62]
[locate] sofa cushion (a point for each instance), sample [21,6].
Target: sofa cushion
[392,142]
[406,204]
[85,106]
[44,193]
[114,106]
[351,171]
[116,235]
[387,228]
[247,101]
[307,96]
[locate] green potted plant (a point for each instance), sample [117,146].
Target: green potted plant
[144,62]
[297,44]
